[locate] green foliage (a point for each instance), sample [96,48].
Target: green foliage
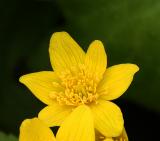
[129,29]
[25,36]
[9,137]
[131,33]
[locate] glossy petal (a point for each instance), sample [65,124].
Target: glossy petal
[35,130]
[78,126]
[116,80]
[108,118]
[55,114]
[96,59]
[65,53]
[41,85]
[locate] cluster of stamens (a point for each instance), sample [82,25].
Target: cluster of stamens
[79,87]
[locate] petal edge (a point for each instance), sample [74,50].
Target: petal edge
[35,130]
[55,114]
[64,52]
[108,118]
[78,126]
[41,84]
[96,59]
[116,80]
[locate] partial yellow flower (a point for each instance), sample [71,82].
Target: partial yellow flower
[82,128]
[36,130]
[81,78]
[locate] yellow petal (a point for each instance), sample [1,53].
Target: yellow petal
[64,52]
[55,114]
[116,80]
[122,137]
[96,59]
[35,130]
[78,126]
[41,84]
[108,118]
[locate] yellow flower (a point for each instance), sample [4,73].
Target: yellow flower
[83,130]
[80,78]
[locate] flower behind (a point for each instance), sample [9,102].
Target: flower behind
[36,130]
[81,129]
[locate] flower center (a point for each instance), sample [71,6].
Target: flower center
[79,87]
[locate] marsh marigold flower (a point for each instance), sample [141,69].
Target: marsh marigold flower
[80,81]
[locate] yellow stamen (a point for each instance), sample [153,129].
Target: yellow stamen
[79,87]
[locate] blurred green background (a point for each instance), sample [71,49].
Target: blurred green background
[129,29]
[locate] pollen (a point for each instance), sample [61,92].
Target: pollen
[79,87]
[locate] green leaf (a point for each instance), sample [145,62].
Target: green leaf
[9,137]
